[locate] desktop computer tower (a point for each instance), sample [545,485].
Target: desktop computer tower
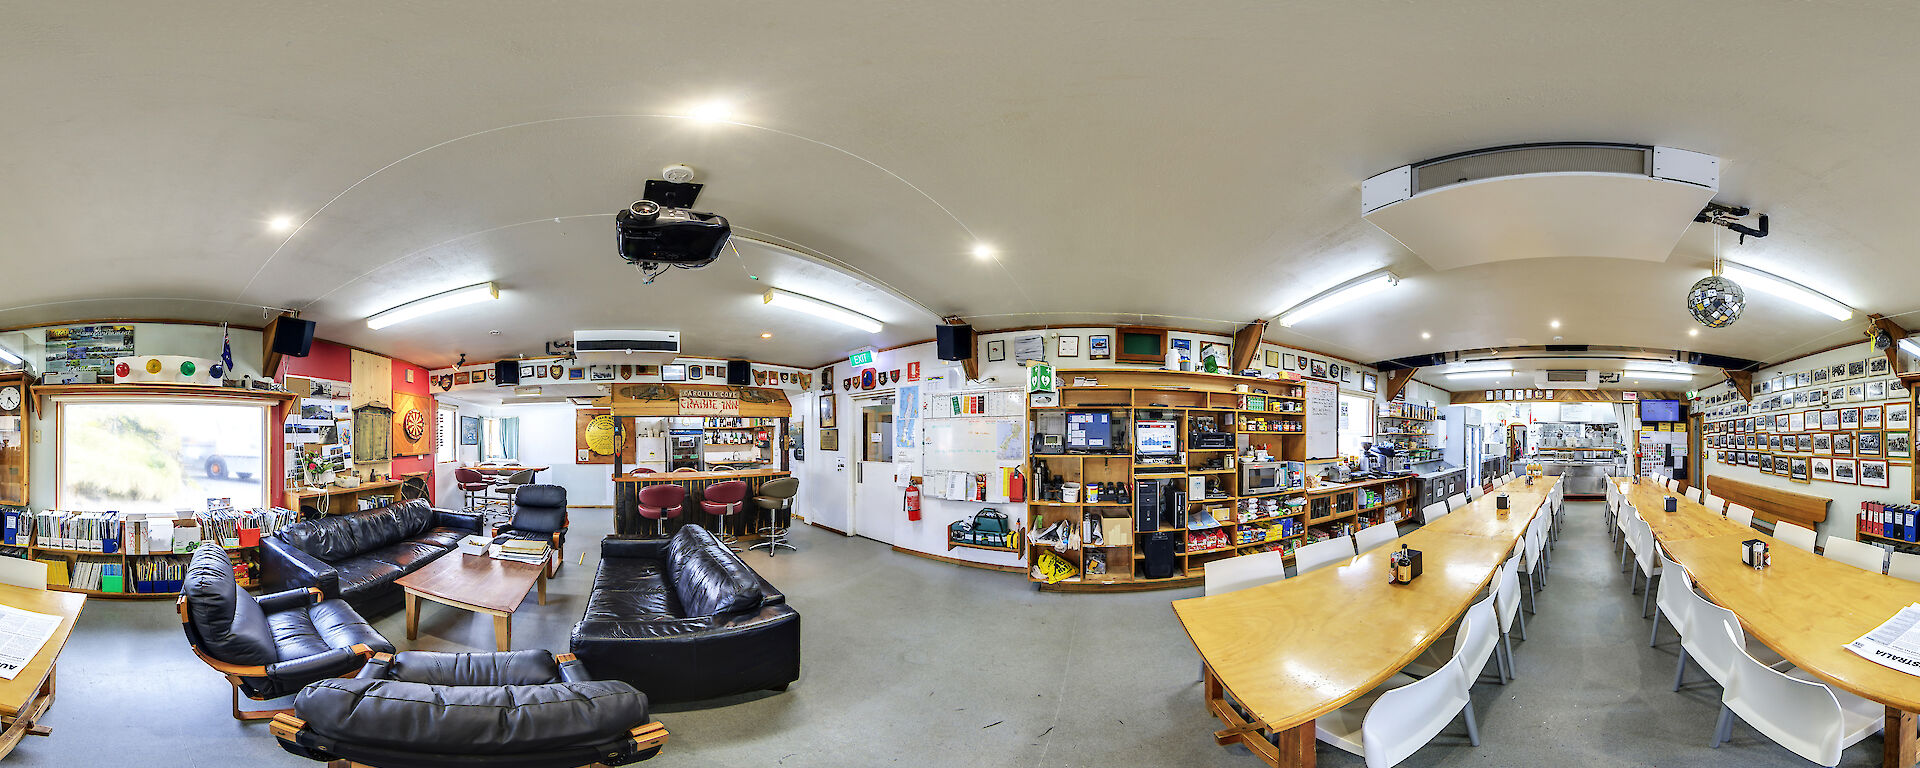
[1157,552]
[1159,504]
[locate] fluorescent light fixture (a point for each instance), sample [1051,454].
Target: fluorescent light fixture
[1659,376]
[1912,347]
[1480,375]
[1364,285]
[1484,365]
[1780,287]
[1653,367]
[7,356]
[818,308]
[458,297]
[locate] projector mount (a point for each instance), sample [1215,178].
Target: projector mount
[1729,216]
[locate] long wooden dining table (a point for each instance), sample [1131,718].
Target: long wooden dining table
[1290,651]
[1804,606]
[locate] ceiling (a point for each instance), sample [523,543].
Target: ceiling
[1129,161]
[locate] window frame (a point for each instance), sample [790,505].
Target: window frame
[446,434]
[270,451]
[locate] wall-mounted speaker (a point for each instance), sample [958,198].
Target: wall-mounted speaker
[292,336]
[506,373]
[739,373]
[954,342]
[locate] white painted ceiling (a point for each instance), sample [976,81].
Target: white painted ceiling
[1200,165]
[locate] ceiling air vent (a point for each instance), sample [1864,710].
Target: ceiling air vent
[1566,379]
[1566,376]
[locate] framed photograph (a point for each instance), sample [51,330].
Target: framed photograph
[462,377]
[1823,442]
[1797,470]
[1369,382]
[1856,369]
[1781,466]
[1300,362]
[1346,374]
[1899,444]
[1286,361]
[1806,379]
[1837,372]
[1272,357]
[1830,420]
[673,372]
[1796,422]
[1896,389]
[1317,369]
[826,413]
[1804,443]
[1873,474]
[1868,442]
[1821,469]
[1837,394]
[1843,443]
[469,430]
[1899,415]
[1871,417]
[1100,347]
[829,439]
[1856,392]
[1067,346]
[1878,366]
[1781,422]
[1843,471]
[1773,443]
[694,373]
[1820,377]
[996,350]
[1849,418]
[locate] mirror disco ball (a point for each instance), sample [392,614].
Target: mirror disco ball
[1716,301]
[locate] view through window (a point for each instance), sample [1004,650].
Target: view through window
[1356,423]
[153,456]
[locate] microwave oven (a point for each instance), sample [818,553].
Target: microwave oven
[1268,476]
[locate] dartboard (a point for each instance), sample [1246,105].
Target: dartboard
[415,425]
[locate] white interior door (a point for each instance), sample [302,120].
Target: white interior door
[825,497]
[876,501]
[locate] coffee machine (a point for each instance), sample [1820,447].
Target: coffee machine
[1384,460]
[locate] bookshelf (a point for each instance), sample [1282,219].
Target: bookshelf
[1221,523]
[133,566]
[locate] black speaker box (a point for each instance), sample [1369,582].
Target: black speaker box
[293,336]
[955,342]
[506,373]
[739,372]
[1158,555]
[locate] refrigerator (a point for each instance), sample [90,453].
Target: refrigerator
[1465,441]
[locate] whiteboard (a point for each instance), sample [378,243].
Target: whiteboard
[973,445]
[1322,420]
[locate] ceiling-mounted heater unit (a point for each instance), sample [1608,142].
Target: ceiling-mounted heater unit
[626,347]
[1532,201]
[1566,379]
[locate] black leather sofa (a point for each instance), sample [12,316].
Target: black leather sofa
[515,709]
[685,619]
[272,645]
[358,555]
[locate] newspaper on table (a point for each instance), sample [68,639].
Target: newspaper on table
[22,633]
[1895,644]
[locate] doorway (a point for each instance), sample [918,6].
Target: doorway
[876,502]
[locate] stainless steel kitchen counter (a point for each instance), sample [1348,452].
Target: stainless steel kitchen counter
[1581,477]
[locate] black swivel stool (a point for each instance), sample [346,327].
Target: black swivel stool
[776,498]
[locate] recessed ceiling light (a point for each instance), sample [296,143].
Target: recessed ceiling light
[715,111]
[1425,335]
[280,223]
[766,335]
[1554,324]
[982,251]
[1693,331]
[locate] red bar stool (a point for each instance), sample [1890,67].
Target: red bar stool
[471,483]
[720,500]
[661,502]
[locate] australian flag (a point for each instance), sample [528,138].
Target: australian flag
[226,351]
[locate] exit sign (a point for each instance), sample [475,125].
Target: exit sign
[861,358]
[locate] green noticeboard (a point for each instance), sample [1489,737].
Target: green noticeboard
[1039,377]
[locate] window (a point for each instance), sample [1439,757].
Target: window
[500,440]
[159,455]
[1356,423]
[446,434]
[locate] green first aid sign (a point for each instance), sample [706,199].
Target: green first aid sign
[1039,377]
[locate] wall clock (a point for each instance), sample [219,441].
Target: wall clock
[10,399]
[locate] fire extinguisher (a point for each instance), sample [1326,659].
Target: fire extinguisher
[912,502]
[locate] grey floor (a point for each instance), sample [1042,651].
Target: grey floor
[909,661]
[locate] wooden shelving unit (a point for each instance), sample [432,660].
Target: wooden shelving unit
[1277,426]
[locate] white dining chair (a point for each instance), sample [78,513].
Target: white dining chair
[1645,559]
[1622,524]
[1858,554]
[1474,493]
[1506,603]
[1796,535]
[1237,573]
[1715,503]
[1740,513]
[1434,512]
[1475,651]
[1675,603]
[1374,536]
[1322,553]
[1693,495]
[1532,549]
[1902,565]
[1398,717]
[1806,716]
[1456,501]
[22,572]
[1673,485]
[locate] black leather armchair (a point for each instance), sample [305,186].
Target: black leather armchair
[357,556]
[515,709]
[685,619]
[270,646]
[540,513]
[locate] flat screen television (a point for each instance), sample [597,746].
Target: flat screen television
[1659,410]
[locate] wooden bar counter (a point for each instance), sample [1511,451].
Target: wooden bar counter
[746,524]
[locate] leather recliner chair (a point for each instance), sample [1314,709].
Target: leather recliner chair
[685,619]
[540,513]
[514,709]
[271,646]
[358,555]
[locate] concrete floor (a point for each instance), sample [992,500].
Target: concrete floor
[909,661]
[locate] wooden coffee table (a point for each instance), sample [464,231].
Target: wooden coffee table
[476,583]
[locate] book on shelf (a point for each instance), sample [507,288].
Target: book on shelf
[1892,521]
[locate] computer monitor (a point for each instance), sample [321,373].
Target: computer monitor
[1156,437]
[1659,410]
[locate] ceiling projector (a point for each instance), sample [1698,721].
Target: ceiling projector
[654,237]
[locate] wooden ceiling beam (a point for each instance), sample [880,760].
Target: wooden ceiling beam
[1246,345]
[1742,382]
[1397,380]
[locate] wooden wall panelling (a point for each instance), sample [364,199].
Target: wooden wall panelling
[1772,504]
[404,404]
[584,417]
[1397,380]
[1246,344]
[372,379]
[1741,381]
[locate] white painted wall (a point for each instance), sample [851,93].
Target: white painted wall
[1846,498]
